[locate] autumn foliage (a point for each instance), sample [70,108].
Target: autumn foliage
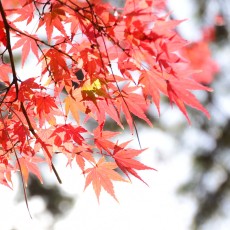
[91,62]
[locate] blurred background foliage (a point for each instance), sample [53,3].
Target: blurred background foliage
[209,183]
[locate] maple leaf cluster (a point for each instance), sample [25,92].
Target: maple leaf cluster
[93,62]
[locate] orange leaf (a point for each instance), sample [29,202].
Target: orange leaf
[27,166]
[71,105]
[101,175]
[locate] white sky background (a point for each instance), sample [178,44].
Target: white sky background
[141,207]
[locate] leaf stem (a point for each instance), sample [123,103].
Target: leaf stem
[40,141]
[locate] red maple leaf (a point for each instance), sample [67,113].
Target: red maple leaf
[180,95]
[131,104]
[44,104]
[28,44]
[101,176]
[3,34]
[83,154]
[67,132]
[53,20]
[25,13]
[101,138]
[126,162]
